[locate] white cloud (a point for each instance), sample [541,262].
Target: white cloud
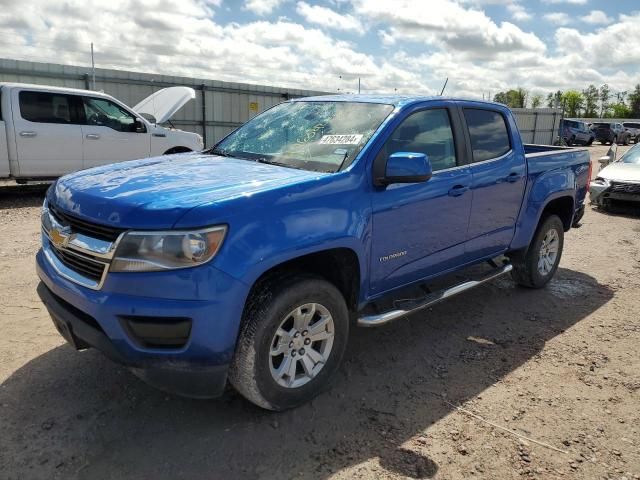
[455,39]
[519,13]
[448,24]
[262,7]
[557,18]
[597,17]
[328,18]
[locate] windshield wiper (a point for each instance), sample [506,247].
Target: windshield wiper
[220,152]
[272,162]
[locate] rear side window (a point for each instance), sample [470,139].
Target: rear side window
[488,132]
[45,107]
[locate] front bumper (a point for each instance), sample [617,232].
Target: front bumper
[600,194]
[211,299]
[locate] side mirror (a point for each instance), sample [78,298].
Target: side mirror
[138,126]
[604,160]
[407,167]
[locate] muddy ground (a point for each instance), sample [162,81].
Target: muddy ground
[559,366]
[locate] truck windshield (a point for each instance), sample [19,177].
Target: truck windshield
[318,136]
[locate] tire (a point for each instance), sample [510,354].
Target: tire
[526,271]
[603,142]
[625,140]
[273,309]
[173,150]
[615,140]
[571,141]
[590,142]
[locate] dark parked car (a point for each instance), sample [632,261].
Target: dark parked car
[576,132]
[613,132]
[634,130]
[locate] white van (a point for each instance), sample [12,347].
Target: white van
[46,132]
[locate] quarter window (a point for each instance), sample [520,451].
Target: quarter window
[45,107]
[428,132]
[103,113]
[488,132]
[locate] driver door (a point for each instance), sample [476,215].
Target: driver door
[419,229]
[109,134]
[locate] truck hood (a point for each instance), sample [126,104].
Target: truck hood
[155,193]
[629,172]
[163,104]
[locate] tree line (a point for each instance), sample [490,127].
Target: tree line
[591,102]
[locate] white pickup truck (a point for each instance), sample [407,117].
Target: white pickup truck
[46,132]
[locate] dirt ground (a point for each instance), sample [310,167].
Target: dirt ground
[559,366]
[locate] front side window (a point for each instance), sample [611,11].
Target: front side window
[318,136]
[428,132]
[103,113]
[45,107]
[488,132]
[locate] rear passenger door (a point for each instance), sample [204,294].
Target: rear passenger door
[419,229]
[48,138]
[498,173]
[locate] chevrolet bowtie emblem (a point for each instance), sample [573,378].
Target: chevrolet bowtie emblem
[60,237]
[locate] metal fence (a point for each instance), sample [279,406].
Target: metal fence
[219,107]
[538,125]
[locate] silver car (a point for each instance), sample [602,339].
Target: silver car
[619,180]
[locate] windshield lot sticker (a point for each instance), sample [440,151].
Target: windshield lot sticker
[340,140]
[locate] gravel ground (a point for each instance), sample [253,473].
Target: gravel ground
[449,393]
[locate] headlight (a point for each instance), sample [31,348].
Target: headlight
[601,181]
[154,251]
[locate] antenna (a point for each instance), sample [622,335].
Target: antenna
[93,69]
[444,86]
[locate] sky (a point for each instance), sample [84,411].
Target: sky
[403,46]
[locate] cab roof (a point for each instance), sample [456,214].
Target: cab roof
[396,100]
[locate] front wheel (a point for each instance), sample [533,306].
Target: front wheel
[541,261]
[294,334]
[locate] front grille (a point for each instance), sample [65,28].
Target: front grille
[82,264]
[102,232]
[622,187]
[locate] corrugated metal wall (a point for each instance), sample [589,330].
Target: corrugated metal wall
[539,125]
[227,105]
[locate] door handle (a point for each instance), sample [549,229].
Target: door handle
[93,136]
[457,190]
[28,134]
[513,177]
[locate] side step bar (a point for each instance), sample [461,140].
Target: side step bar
[435,297]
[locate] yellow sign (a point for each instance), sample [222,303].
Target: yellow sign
[253,106]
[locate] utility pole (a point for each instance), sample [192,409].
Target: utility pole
[358,85]
[93,69]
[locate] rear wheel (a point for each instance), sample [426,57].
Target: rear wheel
[615,140]
[292,341]
[540,263]
[625,140]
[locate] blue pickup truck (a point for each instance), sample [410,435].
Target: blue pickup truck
[251,262]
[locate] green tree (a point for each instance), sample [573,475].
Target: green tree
[634,102]
[536,101]
[591,96]
[620,110]
[572,101]
[550,100]
[514,98]
[605,95]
